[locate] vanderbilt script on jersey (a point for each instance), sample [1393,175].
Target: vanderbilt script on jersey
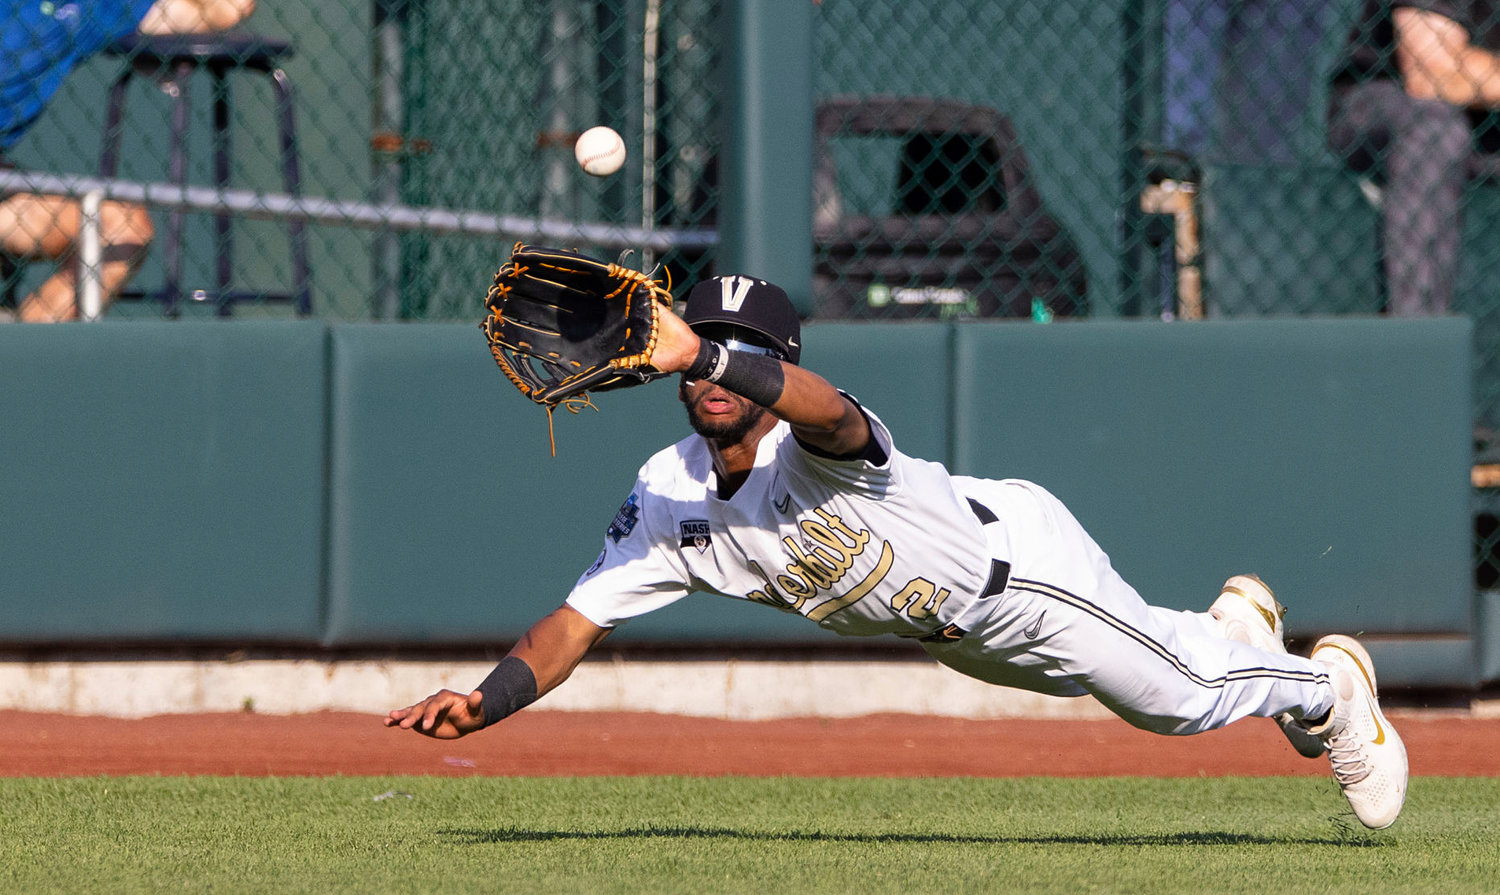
[858,548]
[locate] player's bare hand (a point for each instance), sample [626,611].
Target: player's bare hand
[676,344]
[445,715]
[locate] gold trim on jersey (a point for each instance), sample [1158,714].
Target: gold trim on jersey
[818,563]
[858,591]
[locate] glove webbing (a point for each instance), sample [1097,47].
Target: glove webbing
[506,353]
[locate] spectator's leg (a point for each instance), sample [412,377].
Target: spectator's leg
[1421,145]
[46,227]
[1425,177]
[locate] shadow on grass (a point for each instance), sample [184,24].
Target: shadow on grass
[513,834]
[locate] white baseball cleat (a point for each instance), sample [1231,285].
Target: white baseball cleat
[1366,753]
[1247,611]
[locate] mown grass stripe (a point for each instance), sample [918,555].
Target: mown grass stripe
[678,834]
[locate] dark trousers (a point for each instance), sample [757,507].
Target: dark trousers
[1419,150]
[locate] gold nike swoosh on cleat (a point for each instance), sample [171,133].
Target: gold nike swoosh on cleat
[1379,728]
[1369,681]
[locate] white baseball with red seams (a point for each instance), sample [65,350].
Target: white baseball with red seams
[600,151]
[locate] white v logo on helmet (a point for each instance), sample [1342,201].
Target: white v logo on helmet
[732,292]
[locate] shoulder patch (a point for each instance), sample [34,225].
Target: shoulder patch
[625,520]
[695,534]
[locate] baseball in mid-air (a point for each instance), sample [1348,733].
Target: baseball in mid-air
[600,151]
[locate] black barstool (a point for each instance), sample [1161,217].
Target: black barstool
[172,59]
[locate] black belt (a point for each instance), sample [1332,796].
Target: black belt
[999,576]
[999,568]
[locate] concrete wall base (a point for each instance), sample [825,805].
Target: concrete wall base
[733,689]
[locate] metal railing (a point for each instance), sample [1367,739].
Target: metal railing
[254,205]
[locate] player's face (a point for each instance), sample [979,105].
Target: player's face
[718,414]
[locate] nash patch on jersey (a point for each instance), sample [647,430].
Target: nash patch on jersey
[695,534]
[597,564]
[625,519]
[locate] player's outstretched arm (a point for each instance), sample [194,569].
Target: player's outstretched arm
[543,658]
[817,412]
[819,415]
[554,646]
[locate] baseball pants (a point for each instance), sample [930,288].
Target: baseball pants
[1067,625]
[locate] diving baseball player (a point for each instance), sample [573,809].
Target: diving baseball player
[792,494]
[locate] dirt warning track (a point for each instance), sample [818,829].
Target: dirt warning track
[552,743]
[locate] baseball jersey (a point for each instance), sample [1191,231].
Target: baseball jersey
[861,548]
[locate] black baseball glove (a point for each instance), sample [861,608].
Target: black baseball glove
[562,324]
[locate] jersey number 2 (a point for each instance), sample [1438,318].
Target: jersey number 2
[920,598]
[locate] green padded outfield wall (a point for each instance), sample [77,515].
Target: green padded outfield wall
[369,484]
[162,481]
[1329,456]
[451,522]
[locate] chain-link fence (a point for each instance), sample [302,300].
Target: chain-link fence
[1029,159]
[387,109]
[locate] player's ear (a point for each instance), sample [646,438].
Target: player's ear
[682,389]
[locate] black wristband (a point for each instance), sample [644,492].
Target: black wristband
[707,360]
[758,377]
[755,376]
[508,689]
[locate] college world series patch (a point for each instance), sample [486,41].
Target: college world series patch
[695,534]
[625,519]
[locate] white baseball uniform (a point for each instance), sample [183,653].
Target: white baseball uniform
[995,578]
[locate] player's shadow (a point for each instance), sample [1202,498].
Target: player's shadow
[518,834]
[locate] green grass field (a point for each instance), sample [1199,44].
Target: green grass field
[783,836]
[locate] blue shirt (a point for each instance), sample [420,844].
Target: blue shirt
[41,41]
